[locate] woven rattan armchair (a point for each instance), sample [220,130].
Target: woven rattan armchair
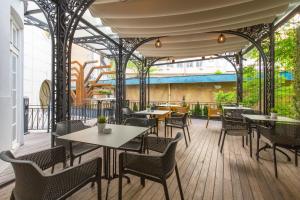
[233,127]
[178,121]
[281,135]
[155,168]
[73,149]
[32,183]
[137,143]
[126,113]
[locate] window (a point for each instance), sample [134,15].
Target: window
[14,68]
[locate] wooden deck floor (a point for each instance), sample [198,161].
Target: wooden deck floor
[205,173]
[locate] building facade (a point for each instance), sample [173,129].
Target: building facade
[11,75]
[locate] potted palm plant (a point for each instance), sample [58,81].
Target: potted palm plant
[273,113]
[101,121]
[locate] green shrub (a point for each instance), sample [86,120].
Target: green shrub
[205,110]
[225,98]
[135,107]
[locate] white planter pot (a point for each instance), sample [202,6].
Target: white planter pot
[273,115]
[101,127]
[148,109]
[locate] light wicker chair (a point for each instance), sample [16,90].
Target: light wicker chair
[73,149]
[155,168]
[32,183]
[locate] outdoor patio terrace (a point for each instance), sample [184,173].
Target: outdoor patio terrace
[205,172]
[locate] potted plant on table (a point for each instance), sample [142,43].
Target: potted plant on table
[148,107]
[273,113]
[101,121]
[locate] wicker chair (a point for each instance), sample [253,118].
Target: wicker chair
[126,113]
[178,121]
[137,144]
[155,168]
[73,149]
[281,135]
[233,127]
[34,184]
[212,113]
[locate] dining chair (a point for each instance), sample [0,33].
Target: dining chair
[32,183]
[157,168]
[73,149]
[212,113]
[233,127]
[178,121]
[281,135]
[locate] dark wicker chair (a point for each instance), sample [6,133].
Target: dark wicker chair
[178,121]
[126,113]
[73,149]
[137,143]
[34,184]
[155,168]
[233,127]
[281,135]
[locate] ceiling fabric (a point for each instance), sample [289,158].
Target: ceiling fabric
[183,26]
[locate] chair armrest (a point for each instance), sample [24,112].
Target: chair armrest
[47,158]
[72,177]
[141,162]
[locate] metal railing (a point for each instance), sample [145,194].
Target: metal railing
[38,117]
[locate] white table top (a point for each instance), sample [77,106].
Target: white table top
[153,112]
[236,108]
[168,105]
[267,118]
[104,99]
[120,135]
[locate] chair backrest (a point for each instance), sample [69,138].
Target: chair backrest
[143,122]
[182,109]
[213,111]
[30,182]
[126,111]
[168,156]
[291,130]
[70,126]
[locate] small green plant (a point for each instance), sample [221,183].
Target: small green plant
[273,110]
[101,120]
[105,92]
[135,107]
[205,110]
[197,110]
[218,72]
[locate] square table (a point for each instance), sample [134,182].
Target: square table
[152,112]
[120,135]
[266,118]
[236,108]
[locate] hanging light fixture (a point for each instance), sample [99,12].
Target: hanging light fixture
[158,43]
[221,38]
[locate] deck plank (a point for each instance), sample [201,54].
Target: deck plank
[205,172]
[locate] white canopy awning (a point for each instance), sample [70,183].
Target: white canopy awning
[184,26]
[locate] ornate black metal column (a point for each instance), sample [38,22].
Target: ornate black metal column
[62,17]
[269,71]
[239,76]
[119,84]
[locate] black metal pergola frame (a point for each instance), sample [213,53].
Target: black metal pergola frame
[63,17]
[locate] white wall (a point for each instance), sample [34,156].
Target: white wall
[7,9]
[37,62]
